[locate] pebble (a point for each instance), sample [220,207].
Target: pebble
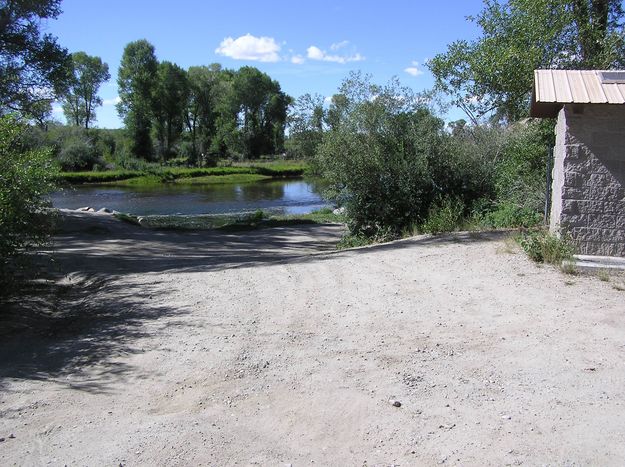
[395,403]
[11,436]
[1,440]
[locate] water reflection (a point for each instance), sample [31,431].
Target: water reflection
[281,196]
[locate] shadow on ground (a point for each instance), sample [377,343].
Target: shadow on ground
[72,326]
[72,330]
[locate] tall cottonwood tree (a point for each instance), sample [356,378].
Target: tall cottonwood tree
[206,88]
[82,98]
[137,81]
[169,105]
[34,68]
[261,109]
[494,73]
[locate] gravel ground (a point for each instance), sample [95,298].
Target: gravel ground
[269,348]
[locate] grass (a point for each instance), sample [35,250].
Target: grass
[222,179]
[543,247]
[76,178]
[172,174]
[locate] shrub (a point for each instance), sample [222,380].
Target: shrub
[446,215]
[376,156]
[79,154]
[508,214]
[542,246]
[520,170]
[26,176]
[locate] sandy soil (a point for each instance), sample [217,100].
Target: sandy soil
[267,348]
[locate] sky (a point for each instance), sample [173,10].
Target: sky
[308,47]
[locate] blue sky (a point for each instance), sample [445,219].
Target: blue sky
[306,46]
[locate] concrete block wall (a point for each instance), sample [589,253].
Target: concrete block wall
[588,190]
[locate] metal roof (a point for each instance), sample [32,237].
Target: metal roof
[554,88]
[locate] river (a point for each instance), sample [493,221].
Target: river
[275,196]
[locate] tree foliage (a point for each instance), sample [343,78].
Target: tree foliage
[202,111]
[136,81]
[306,123]
[26,175]
[206,87]
[81,98]
[494,74]
[378,154]
[169,106]
[261,110]
[34,68]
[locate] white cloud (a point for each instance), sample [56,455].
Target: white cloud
[315,53]
[113,101]
[57,109]
[248,47]
[327,100]
[339,45]
[297,59]
[414,70]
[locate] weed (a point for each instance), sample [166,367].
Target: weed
[603,275]
[568,267]
[353,241]
[444,216]
[543,247]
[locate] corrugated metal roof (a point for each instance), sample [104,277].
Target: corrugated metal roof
[553,88]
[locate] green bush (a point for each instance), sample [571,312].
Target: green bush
[376,156]
[389,159]
[79,154]
[446,215]
[509,215]
[520,169]
[26,176]
[541,246]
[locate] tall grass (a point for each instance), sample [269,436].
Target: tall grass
[170,174]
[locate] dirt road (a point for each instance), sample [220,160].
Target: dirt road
[267,348]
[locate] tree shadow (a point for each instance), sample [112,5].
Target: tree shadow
[72,331]
[74,326]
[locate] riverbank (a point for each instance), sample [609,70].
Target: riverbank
[233,222]
[183,175]
[269,347]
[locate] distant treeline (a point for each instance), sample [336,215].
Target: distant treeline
[171,115]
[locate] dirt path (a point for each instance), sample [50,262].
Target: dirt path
[215,349]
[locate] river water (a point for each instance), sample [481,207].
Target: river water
[275,196]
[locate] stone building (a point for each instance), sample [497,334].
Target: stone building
[588,188]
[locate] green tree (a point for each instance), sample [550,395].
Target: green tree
[201,110]
[261,109]
[225,139]
[306,125]
[137,81]
[82,98]
[169,106]
[494,74]
[381,156]
[25,177]
[34,68]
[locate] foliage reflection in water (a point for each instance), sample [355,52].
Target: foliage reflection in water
[277,196]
